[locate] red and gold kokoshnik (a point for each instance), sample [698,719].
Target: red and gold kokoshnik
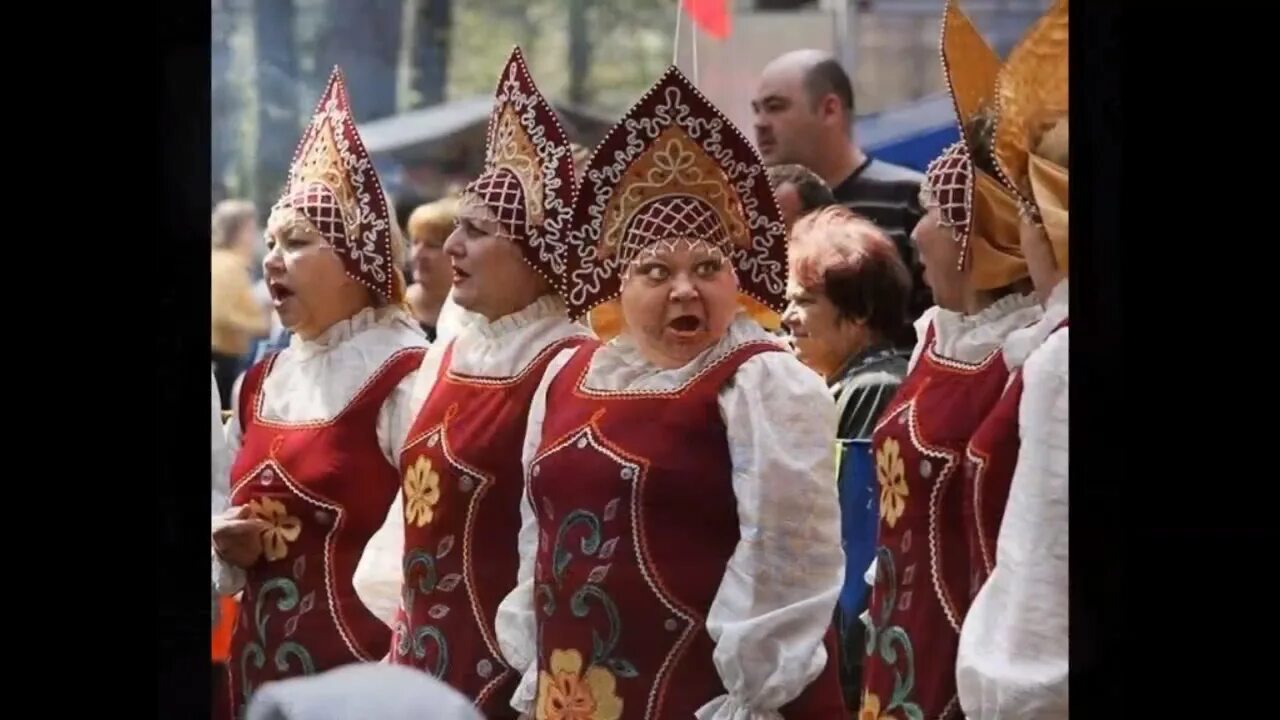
[527,181]
[674,168]
[333,186]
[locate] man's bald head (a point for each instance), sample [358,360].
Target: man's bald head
[820,74]
[803,108]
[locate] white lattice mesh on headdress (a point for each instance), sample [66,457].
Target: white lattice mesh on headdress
[948,186]
[500,191]
[319,206]
[669,219]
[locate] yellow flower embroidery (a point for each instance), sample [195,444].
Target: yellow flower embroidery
[284,529]
[891,472]
[870,706]
[421,492]
[566,694]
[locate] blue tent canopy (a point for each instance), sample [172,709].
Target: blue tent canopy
[912,134]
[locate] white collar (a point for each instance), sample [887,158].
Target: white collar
[340,332]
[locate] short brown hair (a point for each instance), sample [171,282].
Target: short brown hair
[855,265]
[812,190]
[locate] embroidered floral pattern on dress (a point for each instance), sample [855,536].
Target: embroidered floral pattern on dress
[421,493]
[892,644]
[284,529]
[410,639]
[256,650]
[891,472]
[567,693]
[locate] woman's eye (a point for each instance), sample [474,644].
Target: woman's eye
[656,273]
[707,268]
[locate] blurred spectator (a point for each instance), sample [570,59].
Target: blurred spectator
[428,226]
[236,317]
[799,191]
[804,110]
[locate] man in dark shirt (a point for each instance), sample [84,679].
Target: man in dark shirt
[804,110]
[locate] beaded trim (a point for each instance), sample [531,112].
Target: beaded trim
[528,178]
[502,382]
[675,147]
[333,185]
[639,470]
[339,514]
[365,387]
[581,390]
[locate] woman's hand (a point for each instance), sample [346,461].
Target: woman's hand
[237,537]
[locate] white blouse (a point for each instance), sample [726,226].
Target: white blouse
[219,462]
[498,349]
[1013,655]
[778,593]
[314,380]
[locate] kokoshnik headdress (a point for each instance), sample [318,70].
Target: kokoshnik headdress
[528,180]
[675,169]
[334,190]
[978,207]
[1032,90]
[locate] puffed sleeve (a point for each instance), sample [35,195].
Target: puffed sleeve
[516,623]
[1013,654]
[780,588]
[227,578]
[378,574]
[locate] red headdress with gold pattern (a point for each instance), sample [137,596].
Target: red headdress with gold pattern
[334,190]
[1032,95]
[974,203]
[675,168]
[528,179]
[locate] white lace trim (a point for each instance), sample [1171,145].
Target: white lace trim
[619,365]
[544,307]
[1023,341]
[972,338]
[343,330]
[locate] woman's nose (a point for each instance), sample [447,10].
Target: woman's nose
[682,288]
[791,316]
[272,260]
[454,245]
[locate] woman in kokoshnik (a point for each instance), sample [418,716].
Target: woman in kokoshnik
[680,555]
[317,428]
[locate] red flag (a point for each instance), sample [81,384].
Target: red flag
[710,15]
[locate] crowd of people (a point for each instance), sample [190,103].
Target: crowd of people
[680,425]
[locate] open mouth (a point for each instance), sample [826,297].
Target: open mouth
[459,275]
[685,325]
[279,293]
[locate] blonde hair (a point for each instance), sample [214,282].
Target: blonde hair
[433,219]
[228,217]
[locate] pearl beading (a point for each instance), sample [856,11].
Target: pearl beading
[367,240]
[594,280]
[544,246]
